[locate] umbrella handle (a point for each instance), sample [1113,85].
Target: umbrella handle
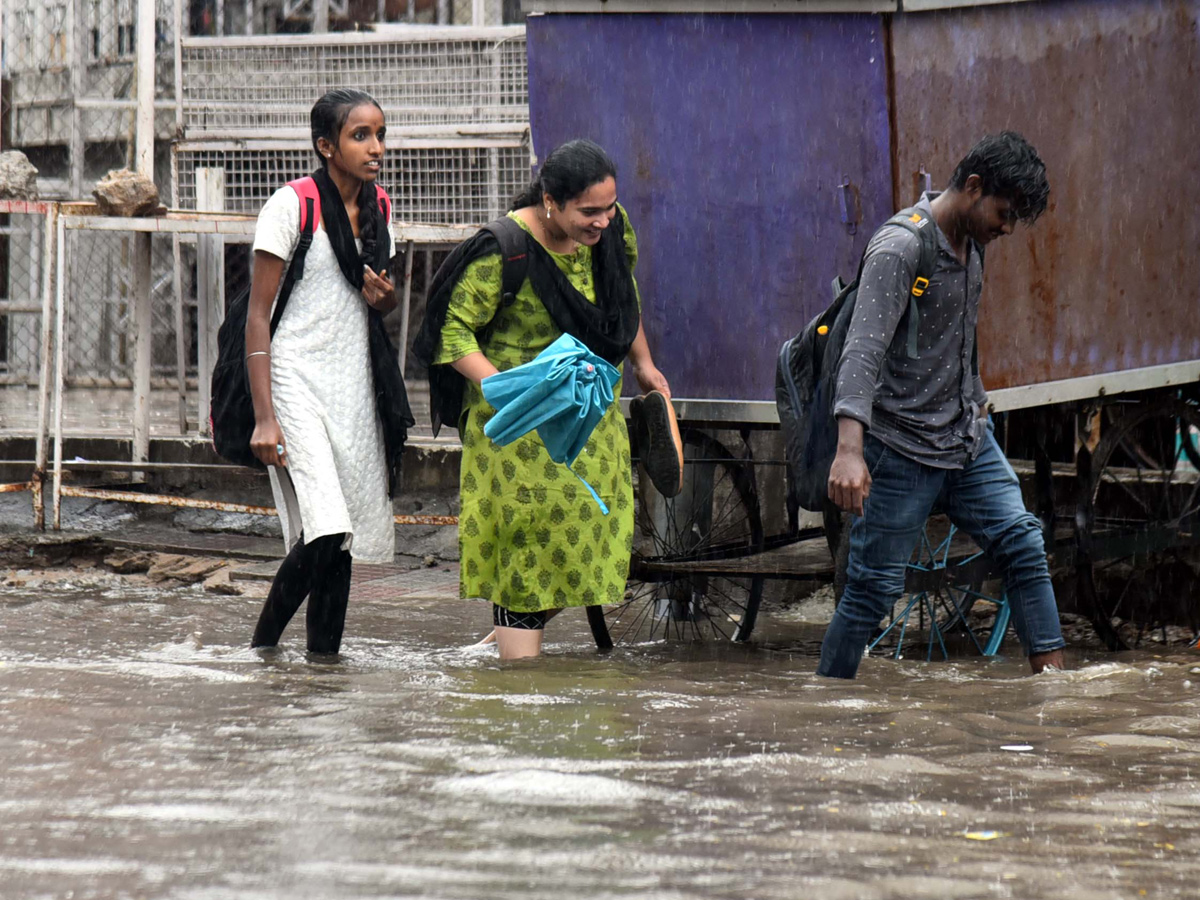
[591,490]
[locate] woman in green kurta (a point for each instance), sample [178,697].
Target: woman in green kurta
[531,537]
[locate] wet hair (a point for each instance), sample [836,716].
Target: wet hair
[1008,167]
[568,171]
[329,115]
[327,119]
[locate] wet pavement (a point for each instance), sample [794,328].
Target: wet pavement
[149,754]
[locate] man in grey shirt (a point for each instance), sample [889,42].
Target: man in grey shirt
[913,432]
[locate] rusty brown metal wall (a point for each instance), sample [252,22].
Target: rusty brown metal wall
[1109,93]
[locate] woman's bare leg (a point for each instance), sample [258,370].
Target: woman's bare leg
[518,643]
[491,636]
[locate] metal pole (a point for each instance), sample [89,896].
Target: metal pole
[249,17]
[210,288]
[180,333]
[49,261]
[406,304]
[178,70]
[177,291]
[142,321]
[78,69]
[320,16]
[494,199]
[145,88]
[60,314]
[443,12]
[3,47]
[478,12]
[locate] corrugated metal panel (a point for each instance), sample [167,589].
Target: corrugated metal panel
[732,134]
[708,6]
[1109,279]
[926,5]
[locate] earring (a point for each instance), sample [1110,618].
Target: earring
[547,212]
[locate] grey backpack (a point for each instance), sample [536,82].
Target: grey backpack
[806,372]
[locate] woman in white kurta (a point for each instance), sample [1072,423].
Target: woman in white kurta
[316,423]
[336,479]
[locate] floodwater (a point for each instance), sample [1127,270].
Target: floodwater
[147,754]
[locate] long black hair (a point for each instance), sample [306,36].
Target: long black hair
[568,171]
[1009,167]
[326,120]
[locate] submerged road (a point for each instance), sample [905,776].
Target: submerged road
[148,754]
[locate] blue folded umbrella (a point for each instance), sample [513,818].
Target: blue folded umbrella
[563,393]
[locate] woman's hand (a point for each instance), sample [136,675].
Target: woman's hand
[267,443]
[650,379]
[378,290]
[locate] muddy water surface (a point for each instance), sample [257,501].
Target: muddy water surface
[147,754]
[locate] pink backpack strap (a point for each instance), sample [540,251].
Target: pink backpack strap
[385,202]
[306,189]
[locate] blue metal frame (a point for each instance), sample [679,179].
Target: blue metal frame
[929,558]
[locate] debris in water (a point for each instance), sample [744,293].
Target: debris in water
[1017,748]
[984,835]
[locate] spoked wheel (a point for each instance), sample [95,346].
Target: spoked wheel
[1136,442]
[947,603]
[691,577]
[1140,526]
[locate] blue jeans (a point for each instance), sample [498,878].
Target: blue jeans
[984,500]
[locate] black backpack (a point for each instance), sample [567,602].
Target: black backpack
[446,385]
[806,373]
[231,415]
[514,259]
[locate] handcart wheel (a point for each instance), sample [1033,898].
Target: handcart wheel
[950,607]
[933,616]
[690,576]
[1138,521]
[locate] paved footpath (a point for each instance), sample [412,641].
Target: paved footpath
[252,560]
[439,582]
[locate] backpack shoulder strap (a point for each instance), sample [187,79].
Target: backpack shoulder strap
[514,255]
[310,215]
[310,203]
[918,222]
[385,202]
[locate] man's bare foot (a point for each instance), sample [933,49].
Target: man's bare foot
[1052,659]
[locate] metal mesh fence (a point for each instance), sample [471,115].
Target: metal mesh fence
[99,291]
[22,253]
[70,65]
[457,107]
[257,87]
[439,184]
[229,17]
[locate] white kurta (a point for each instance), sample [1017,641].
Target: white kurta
[324,398]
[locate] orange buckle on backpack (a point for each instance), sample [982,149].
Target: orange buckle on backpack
[919,286]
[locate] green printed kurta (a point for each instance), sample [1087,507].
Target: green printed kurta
[530,535]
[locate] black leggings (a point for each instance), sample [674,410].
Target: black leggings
[526,621]
[320,571]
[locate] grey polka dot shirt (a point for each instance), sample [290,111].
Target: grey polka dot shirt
[925,407]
